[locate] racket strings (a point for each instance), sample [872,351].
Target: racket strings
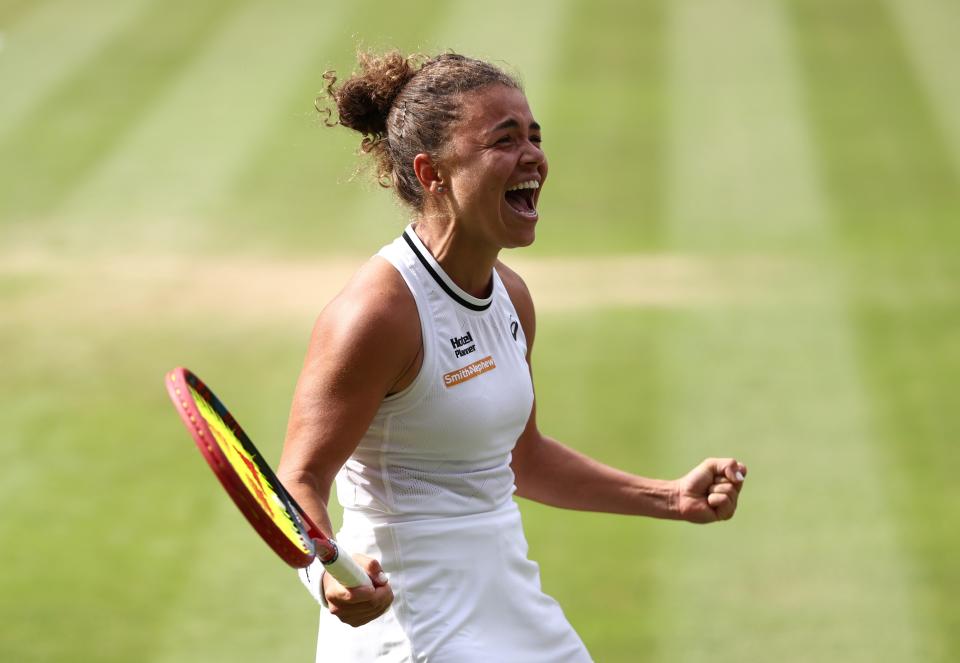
[247,467]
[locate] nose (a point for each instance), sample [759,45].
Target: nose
[533,154]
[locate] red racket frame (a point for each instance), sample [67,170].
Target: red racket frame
[177,382]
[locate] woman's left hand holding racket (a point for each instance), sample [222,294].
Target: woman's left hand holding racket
[358,605]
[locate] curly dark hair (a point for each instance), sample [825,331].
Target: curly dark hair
[404,106]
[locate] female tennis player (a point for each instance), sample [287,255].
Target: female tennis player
[416,393]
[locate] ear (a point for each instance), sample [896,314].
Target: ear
[426,172]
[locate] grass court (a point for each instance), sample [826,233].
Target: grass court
[748,246]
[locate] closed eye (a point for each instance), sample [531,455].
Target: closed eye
[504,140]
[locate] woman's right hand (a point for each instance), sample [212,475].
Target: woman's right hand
[359,605]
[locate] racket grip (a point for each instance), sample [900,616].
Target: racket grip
[347,572]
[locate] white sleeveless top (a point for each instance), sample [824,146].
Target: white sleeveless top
[442,447]
[428,492]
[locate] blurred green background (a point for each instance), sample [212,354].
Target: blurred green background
[748,246]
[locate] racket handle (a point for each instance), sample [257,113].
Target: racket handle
[347,572]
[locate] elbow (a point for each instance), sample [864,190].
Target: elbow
[293,478]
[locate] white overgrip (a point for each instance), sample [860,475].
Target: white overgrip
[347,572]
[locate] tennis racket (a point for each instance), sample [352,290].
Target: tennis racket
[252,485]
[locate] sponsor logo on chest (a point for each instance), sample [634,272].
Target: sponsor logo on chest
[476,369]
[463,345]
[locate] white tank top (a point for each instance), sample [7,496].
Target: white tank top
[442,446]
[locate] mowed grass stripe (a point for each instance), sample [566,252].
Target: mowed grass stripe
[810,569]
[604,131]
[105,479]
[599,390]
[862,81]
[88,114]
[891,175]
[527,44]
[730,138]
[12,11]
[30,69]
[180,159]
[297,194]
[929,30]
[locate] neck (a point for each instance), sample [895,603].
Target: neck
[463,258]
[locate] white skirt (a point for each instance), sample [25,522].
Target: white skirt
[464,592]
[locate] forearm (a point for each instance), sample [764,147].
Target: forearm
[305,489]
[553,474]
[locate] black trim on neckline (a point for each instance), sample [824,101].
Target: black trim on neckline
[443,284]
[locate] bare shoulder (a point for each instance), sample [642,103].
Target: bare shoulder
[521,298]
[363,343]
[375,294]
[372,325]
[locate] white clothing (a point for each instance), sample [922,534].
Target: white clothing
[428,492]
[442,446]
[465,592]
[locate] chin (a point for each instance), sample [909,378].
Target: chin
[520,240]
[528,238]
[519,232]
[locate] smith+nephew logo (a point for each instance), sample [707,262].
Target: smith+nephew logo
[461,375]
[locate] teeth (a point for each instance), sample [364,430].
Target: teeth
[532,184]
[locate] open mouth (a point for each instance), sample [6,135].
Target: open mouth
[522,197]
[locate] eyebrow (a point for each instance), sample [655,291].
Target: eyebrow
[513,124]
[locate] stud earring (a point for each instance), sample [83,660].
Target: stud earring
[440,188]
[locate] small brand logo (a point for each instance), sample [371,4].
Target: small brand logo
[463,345]
[468,372]
[514,327]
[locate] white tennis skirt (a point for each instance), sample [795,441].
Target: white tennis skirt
[464,592]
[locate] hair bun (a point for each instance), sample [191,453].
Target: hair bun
[405,106]
[364,100]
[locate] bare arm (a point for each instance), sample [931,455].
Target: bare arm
[551,473]
[365,344]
